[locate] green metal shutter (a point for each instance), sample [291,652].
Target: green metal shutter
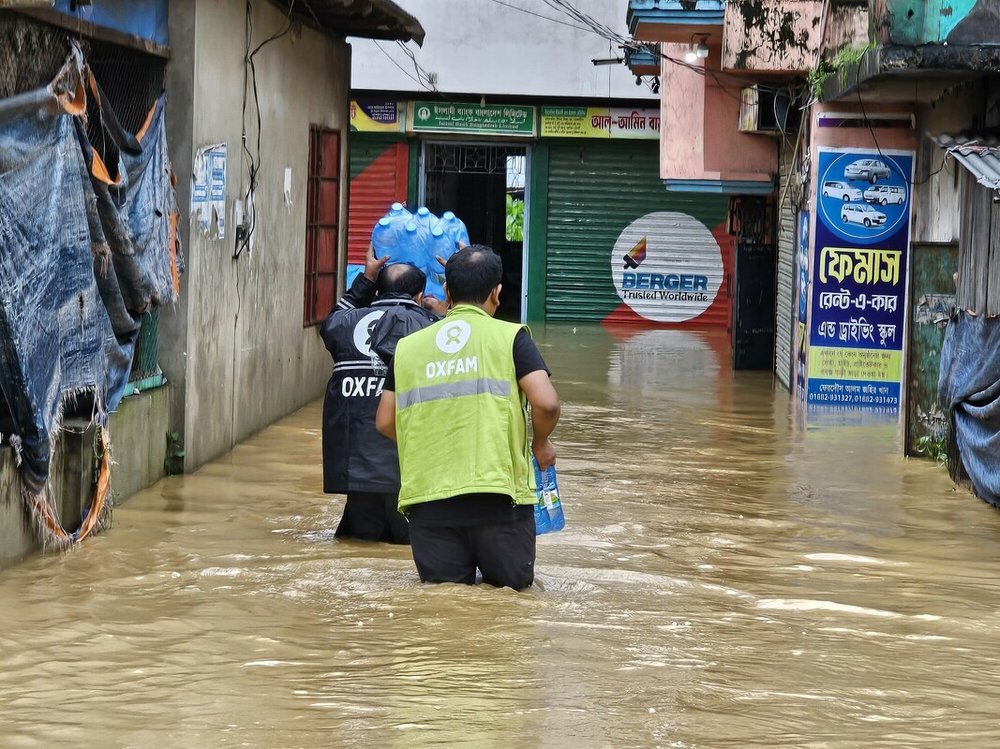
[595,190]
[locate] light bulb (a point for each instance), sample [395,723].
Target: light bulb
[690,56]
[702,50]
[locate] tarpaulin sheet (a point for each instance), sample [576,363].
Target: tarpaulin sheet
[85,249]
[970,386]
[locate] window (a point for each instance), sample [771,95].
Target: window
[322,224]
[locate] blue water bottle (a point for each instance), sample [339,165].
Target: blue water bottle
[454,227]
[435,271]
[548,509]
[384,237]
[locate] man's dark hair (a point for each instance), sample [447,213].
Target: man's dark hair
[472,273]
[401,278]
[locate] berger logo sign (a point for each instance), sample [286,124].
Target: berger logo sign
[667,267]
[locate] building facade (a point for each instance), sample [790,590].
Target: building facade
[539,124]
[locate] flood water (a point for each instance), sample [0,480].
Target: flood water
[728,577]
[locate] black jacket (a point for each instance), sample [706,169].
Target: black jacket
[356,458]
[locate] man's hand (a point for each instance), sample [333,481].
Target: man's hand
[374,265]
[435,305]
[545,453]
[461,246]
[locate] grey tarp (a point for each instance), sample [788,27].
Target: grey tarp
[85,250]
[969,385]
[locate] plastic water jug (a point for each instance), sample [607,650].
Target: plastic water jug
[384,237]
[454,227]
[548,507]
[398,211]
[435,271]
[410,246]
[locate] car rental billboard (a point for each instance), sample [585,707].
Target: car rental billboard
[859,279]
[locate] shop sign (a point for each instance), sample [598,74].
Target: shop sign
[472,119]
[371,115]
[667,267]
[601,122]
[859,279]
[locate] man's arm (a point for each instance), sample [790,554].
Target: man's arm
[544,401]
[362,291]
[385,417]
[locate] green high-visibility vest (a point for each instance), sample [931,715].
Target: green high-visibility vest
[461,420]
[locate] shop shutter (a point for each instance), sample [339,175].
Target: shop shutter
[378,178]
[595,190]
[786,255]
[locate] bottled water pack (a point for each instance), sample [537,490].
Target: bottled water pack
[549,515]
[419,239]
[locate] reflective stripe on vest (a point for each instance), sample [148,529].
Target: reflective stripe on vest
[452,390]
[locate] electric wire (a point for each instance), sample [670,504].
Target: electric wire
[539,15]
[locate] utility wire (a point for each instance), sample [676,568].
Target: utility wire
[539,15]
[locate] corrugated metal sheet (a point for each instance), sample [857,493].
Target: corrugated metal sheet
[980,155]
[379,167]
[595,191]
[786,282]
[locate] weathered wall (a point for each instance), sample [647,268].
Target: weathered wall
[772,35]
[482,48]
[246,359]
[937,189]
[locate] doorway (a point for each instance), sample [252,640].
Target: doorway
[484,185]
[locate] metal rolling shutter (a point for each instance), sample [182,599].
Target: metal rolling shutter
[786,254]
[595,190]
[378,178]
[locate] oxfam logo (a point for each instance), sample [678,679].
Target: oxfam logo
[452,336]
[363,332]
[667,267]
[424,113]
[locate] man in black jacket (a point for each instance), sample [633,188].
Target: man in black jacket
[357,460]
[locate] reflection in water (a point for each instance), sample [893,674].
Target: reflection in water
[725,579]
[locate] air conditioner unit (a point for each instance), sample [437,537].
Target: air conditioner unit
[765,110]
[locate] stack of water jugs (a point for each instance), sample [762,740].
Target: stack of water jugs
[419,239]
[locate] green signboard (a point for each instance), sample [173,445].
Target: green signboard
[472,119]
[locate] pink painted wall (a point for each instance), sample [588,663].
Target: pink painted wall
[699,135]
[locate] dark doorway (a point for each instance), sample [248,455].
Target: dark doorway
[484,185]
[751,221]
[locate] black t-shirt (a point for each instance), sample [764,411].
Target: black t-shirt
[478,509]
[527,359]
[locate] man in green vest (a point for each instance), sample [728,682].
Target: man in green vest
[455,400]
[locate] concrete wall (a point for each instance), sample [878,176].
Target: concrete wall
[138,430]
[481,48]
[236,346]
[772,35]
[699,136]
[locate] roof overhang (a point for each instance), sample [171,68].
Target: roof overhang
[911,74]
[368,19]
[719,186]
[674,20]
[979,154]
[644,60]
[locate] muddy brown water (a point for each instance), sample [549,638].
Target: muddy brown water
[730,576]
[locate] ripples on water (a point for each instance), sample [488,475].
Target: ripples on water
[726,579]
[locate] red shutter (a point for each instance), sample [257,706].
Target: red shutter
[379,174]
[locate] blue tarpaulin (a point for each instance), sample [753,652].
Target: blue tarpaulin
[969,385]
[85,249]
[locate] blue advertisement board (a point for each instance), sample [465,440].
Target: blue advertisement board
[859,279]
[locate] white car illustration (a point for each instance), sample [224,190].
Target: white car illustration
[842,190]
[885,194]
[861,213]
[866,169]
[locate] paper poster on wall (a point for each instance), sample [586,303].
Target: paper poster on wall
[859,279]
[208,190]
[370,115]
